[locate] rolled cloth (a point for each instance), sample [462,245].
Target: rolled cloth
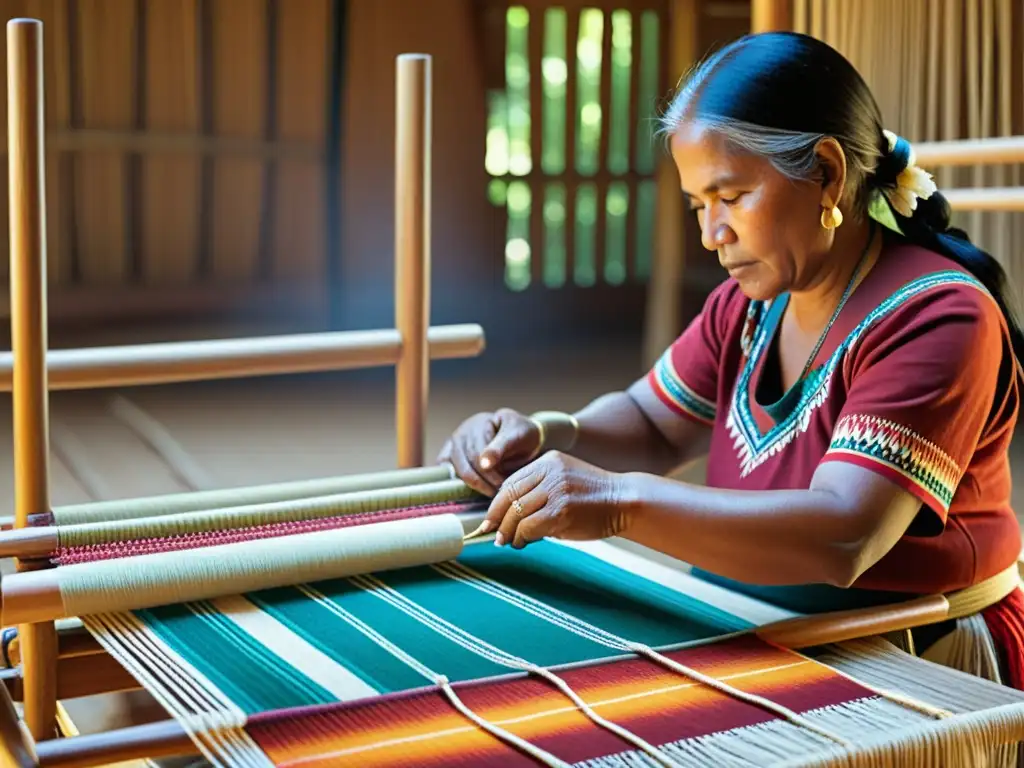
[176,503]
[252,515]
[168,578]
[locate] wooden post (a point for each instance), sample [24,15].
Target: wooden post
[17,749]
[771,15]
[663,298]
[412,253]
[25,132]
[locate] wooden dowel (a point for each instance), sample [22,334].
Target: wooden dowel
[44,541]
[29,543]
[836,627]
[27,196]
[237,496]
[17,748]
[412,253]
[153,740]
[986,199]
[73,642]
[29,599]
[171,362]
[1003,150]
[770,15]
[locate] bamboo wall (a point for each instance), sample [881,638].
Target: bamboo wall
[942,69]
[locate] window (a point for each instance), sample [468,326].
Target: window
[578,186]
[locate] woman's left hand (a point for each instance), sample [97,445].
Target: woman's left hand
[557,496]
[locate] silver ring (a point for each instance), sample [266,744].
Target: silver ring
[517,505]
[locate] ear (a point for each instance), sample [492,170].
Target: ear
[832,160]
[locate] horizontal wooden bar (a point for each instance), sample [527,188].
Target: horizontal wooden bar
[151,143]
[1001,150]
[164,363]
[1006,199]
[162,739]
[73,641]
[838,626]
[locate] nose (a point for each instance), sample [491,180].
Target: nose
[714,233]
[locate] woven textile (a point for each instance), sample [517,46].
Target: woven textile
[477,662]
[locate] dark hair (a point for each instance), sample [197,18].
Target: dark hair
[778,94]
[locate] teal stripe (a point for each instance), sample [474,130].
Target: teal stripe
[680,394]
[604,595]
[362,656]
[255,679]
[249,675]
[496,622]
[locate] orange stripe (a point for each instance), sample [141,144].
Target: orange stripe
[446,734]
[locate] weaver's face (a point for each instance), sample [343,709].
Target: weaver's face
[765,227]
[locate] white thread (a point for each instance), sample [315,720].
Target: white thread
[484,649]
[545,757]
[543,611]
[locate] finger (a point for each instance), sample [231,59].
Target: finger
[515,487]
[529,506]
[507,444]
[535,527]
[467,472]
[493,471]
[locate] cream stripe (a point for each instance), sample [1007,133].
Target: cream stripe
[292,648]
[672,576]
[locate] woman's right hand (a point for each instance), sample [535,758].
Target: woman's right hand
[488,447]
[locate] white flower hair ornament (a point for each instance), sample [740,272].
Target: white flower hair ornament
[912,183]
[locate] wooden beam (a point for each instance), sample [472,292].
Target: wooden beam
[771,15]
[665,284]
[27,182]
[1002,150]
[210,360]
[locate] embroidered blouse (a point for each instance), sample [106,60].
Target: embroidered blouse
[915,381]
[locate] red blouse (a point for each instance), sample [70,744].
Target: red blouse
[916,381]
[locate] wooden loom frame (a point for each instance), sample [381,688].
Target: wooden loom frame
[55,665]
[27,370]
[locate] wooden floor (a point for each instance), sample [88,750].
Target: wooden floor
[113,444]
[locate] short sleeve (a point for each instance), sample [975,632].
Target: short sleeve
[685,378]
[921,384]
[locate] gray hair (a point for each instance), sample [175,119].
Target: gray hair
[791,153]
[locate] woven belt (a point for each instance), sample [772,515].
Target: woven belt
[977,597]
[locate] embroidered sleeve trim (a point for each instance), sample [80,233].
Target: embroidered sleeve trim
[899,453]
[674,392]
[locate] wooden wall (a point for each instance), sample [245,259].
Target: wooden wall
[185,166]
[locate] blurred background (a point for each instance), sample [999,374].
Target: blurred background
[225,168]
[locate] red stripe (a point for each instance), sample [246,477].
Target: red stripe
[675,407]
[655,708]
[1005,621]
[94,552]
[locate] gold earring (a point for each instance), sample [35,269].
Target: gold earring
[831,217]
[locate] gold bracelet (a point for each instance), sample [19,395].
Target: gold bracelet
[549,422]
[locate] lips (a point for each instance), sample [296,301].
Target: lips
[739,265]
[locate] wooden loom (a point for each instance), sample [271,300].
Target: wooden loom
[53,662]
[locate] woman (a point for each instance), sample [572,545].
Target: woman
[853,386]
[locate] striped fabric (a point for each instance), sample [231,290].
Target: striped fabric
[661,707]
[385,633]
[499,658]
[559,654]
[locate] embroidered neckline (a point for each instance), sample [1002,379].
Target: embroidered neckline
[753,446]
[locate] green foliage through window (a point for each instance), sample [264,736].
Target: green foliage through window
[617,183]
